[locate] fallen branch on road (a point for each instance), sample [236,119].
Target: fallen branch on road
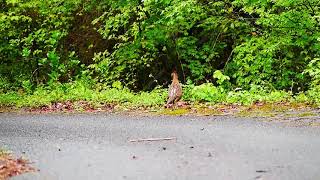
[153,139]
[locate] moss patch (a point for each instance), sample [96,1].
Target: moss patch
[174,112]
[306,114]
[274,109]
[208,111]
[256,114]
[4,153]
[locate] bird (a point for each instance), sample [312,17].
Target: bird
[175,90]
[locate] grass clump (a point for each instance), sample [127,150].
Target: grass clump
[97,95]
[73,92]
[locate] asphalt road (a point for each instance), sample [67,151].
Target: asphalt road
[95,146]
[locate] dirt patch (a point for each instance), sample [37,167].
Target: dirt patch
[68,106]
[292,113]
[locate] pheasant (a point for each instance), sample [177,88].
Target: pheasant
[175,90]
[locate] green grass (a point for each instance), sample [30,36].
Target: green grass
[44,96]
[120,96]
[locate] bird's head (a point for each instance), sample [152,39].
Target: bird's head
[174,74]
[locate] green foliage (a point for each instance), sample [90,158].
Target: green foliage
[313,95]
[30,40]
[313,70]
[222,80]
[97,95]
[97,49]
[285,37]
[209,93]
[82,91]
[257,94]
[152,37]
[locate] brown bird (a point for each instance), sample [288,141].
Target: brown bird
[175,89]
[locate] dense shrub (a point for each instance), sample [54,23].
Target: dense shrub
[273,44]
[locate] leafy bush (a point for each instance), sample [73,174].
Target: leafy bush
[70,49]
[207,92]
[314,95]
[284,39]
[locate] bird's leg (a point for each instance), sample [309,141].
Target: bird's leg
[175,107]
[168,105]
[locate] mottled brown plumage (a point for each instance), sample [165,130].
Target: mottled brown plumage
[175,89]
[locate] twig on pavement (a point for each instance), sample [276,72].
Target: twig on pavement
[153,139]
